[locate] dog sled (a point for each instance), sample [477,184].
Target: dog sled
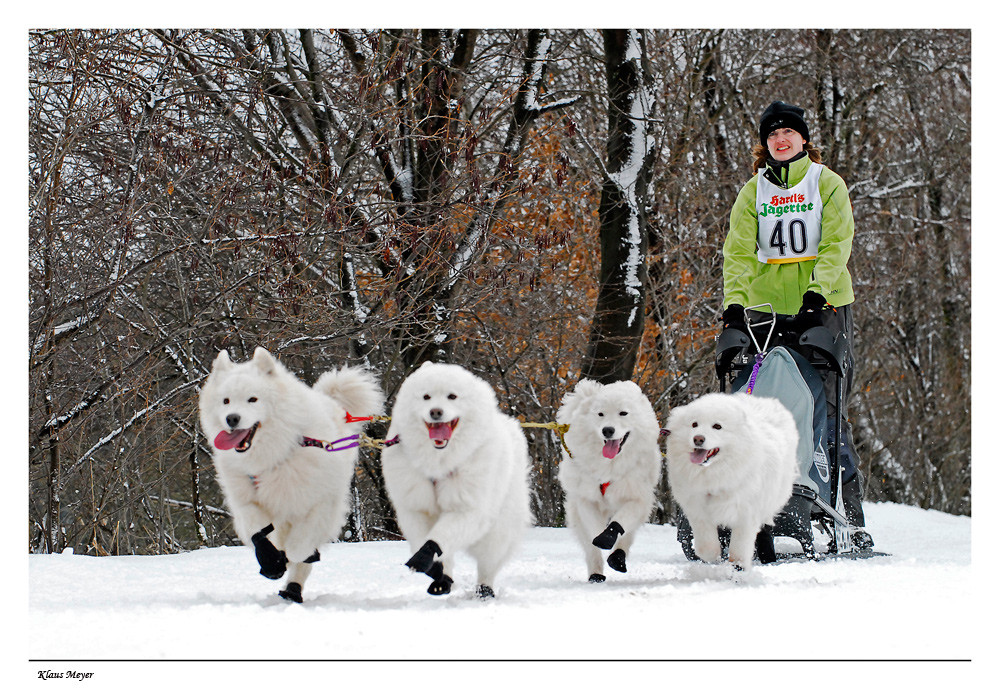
[774,361]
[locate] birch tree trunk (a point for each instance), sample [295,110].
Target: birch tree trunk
[619,317]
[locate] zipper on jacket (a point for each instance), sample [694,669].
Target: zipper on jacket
[776,170]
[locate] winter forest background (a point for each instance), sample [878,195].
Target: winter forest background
[536,205]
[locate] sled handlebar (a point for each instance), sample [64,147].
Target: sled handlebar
[733,348]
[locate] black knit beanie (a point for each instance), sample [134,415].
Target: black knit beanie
[780,114]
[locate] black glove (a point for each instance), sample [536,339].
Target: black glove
[607,538]
[733,317]
[810,314]
[272,562]
[423,560]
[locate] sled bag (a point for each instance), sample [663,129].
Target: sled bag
[788,376]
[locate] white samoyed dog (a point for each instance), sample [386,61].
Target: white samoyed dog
[610,471]
[288,495]
[731,462]
[457,475]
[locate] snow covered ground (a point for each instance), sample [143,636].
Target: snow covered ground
[89,614]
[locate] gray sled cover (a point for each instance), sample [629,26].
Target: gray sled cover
[790,378]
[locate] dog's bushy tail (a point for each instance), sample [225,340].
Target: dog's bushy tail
[357,390]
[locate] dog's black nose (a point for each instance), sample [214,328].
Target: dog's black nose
[699,441]
[233,421]
[608,431]
[436,414]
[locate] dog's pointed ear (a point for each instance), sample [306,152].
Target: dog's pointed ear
[574,399]
[744,417]
[584,390]
[222,361]
[673,419]
[264,361]
[635,387]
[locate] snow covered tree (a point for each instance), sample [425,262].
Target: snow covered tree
[620,314]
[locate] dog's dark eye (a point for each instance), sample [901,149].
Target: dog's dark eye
[623,414]
[252,400]
[427,397]
[452,396]
[226,401]
[716,426]
[600,414]
[694,425]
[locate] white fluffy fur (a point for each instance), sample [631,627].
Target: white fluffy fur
[471,495]
[746,483]
[622,408]
[303,492]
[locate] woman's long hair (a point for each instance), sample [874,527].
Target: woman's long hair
[760,155]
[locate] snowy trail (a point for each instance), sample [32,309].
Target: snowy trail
[361,603]
[206,619]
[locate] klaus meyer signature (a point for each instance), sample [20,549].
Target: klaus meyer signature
[64,675]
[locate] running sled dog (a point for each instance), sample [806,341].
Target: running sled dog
[731,462]
[457,475]
[611,464]
[287,493]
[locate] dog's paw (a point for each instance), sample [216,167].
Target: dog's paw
[273,572]
[617,561]
[436,571]
[485,592]
[440,586]
[423,559]
[597,577]
[293,592]
[710,551]
[708,557]
[272,561]
[607,538]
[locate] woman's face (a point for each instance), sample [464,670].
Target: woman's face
[784,143]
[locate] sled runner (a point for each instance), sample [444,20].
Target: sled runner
[776,362]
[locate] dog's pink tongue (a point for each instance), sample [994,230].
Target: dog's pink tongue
[440,431]
[227,440]
[611,448]
[699,455]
